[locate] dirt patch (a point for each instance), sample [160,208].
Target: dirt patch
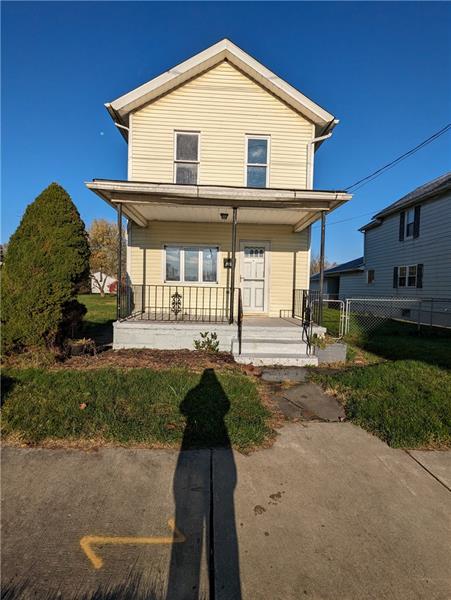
[152,359]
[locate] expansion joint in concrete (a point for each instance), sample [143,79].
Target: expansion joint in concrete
[211,536]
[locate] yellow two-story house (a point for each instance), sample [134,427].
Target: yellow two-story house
[219,202]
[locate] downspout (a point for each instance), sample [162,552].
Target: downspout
[124,127]
[326,134]
[311,155]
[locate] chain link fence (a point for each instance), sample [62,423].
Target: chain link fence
[370,315]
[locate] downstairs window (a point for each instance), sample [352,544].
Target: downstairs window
[191,264]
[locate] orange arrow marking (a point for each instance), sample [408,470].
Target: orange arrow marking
[87,541]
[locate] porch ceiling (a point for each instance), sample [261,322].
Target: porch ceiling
[143,202]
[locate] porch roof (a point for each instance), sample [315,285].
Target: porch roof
[148,201]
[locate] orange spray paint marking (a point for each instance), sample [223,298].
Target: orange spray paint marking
[88,541]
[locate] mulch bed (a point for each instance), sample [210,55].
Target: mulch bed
[157,360]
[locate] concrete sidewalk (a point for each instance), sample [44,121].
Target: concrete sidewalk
[329,512]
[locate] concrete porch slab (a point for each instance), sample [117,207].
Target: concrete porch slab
[169,335]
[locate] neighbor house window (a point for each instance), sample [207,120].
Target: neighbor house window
[412,276]
[188,264]
[410,220]
[186,157]
[257,161]
[407,276]
[370,276]
[402,276]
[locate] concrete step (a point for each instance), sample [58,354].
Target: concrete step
[273,346]
[290,332]
[266,360]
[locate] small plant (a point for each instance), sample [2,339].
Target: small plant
[318,341]
[208,343]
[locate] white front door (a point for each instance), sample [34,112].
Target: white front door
[253,271]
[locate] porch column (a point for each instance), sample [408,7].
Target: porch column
[119,261]
[321,267]
[232,270]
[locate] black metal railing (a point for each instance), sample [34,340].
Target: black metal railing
[307,308]
[306,301]
[239,319]
[206,304]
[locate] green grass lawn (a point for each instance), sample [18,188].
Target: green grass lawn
[97,322]
[137,406]
[402,392]
[406,403]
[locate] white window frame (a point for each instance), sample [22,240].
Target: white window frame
[182,248]
[247,164]
[410,211]
[368,276]
[407,267]
[186,162]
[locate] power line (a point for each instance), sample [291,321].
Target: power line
[361,182]
[348,219]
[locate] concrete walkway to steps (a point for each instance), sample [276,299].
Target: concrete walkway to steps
[302,399]
[329,512]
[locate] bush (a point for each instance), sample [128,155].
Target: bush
[46,262]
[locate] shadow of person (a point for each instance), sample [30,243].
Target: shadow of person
[199,510]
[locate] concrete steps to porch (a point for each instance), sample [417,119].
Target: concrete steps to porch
[269,346]
[261,359]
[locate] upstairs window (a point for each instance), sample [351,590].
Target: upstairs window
[257,161]
[409,223]
[186,159]
[370,276]
[410,220]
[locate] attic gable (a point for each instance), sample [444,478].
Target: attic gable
[121,108]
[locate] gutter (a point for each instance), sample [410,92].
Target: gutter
[118,121]
[325,135]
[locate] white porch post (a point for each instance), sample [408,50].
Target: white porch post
[119,261]
[321,267]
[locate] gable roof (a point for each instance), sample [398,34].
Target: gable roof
[121,108]
[351,265]
[424,192]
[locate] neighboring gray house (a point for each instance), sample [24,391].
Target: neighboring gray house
[407,249]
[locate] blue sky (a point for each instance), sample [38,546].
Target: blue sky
[382,68]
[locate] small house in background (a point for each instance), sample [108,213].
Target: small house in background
[341,280]
[101,283]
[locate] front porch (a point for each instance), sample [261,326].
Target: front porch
[257,340]
[212,258]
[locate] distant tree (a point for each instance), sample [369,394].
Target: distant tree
[47,259]
[315,264]
[3,248]
[103,241]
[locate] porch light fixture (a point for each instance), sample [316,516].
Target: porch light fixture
[224,216]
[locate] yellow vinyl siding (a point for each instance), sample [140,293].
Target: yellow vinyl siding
[146,254]
[224,105]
